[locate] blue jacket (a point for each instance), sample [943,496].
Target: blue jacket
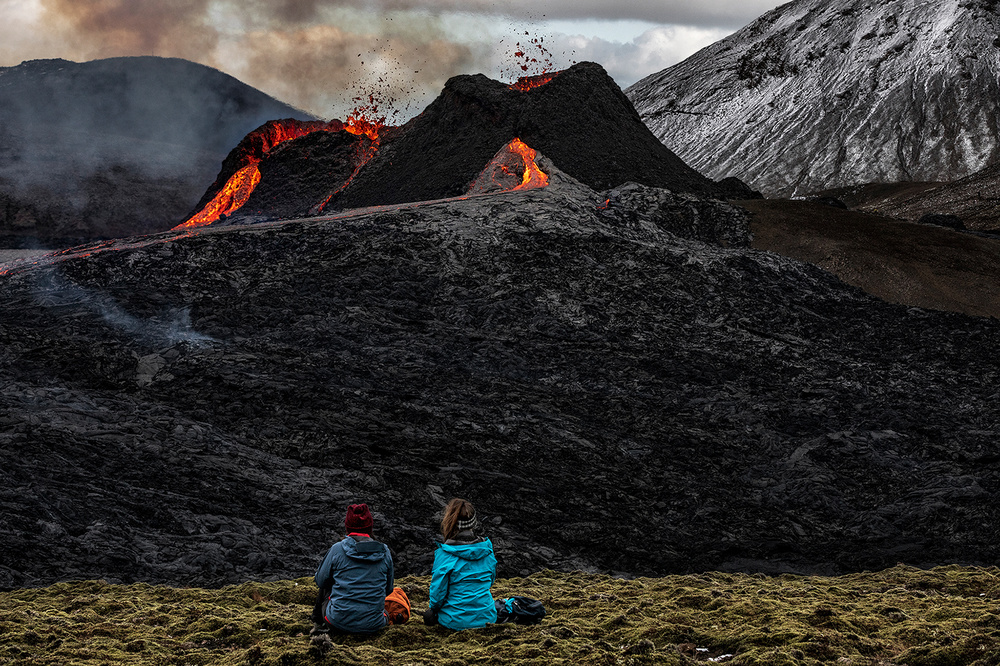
[460,584]
[359,576]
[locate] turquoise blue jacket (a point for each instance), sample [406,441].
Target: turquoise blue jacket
[460,584]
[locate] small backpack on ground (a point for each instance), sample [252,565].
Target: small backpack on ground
[397,606]
[520,610]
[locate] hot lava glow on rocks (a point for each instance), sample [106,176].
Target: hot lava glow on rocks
[255,147]
[231,198]
[512,169]
[526,83]
[242,171]
[533,176]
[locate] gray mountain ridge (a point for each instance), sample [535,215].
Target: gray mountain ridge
[817,94]
[116,147]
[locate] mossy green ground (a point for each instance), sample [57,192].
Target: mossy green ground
[949,615]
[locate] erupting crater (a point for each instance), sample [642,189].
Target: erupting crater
[526,83]
[479,136]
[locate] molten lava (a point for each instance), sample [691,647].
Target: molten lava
[256,146]
[513,168]
[533,176]
[526,83]
[230,198]
[251,151]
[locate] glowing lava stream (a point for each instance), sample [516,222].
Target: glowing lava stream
[231,197]
[533,176]
[237,190]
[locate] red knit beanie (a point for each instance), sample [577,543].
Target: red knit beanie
[358,518]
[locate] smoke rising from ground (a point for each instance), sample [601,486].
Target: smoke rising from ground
[169,328]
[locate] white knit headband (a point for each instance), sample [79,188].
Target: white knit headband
[467,524]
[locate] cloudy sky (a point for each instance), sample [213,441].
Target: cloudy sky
[318,54]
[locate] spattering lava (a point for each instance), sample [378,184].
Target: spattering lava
[526,83]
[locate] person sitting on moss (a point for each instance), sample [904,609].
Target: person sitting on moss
[463,573]
[355,580]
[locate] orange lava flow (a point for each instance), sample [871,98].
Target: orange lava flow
[231,197]
[241,184]
[533,176]
[237,190]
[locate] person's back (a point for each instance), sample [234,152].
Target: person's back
[355,579]
[464,571]
[359,574]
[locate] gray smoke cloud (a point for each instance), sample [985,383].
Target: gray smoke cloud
[704,13]
[106,28]
[311,52]
[729,14]
[326,67]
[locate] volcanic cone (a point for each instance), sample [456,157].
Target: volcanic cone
[580,120]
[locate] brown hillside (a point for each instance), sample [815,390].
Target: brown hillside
[900,262]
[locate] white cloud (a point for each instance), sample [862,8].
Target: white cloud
[653,50]
[702,13]
[20,36]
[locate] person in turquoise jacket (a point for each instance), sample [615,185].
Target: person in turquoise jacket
[464,571]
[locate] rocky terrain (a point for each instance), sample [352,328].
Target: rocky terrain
[818,94]
[114,147]
[614,378]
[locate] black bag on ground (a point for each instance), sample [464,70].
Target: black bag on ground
[519,610]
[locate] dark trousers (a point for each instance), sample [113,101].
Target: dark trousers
[319,609]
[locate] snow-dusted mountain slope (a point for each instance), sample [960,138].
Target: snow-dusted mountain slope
[826,93]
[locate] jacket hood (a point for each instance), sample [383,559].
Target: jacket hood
[469,551]
[365,549]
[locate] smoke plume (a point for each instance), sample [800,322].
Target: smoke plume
[105,28]
[327,67]
[309,53]
[312,53]
[169,328]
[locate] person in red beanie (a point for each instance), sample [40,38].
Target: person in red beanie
[355,580]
